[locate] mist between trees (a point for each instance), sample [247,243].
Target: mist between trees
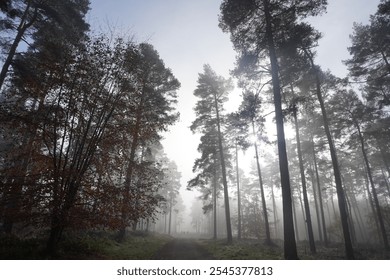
[82,117]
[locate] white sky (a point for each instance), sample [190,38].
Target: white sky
[186,34]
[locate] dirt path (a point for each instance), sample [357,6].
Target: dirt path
[183,249]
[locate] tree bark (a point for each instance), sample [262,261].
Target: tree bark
[302,211]
[295,218]
[59,217]
[290,248]
[130,169]
[224,180]
[215,201]
[238,196]
[264,204]
[336,169]
[373,190]
[274,211]
[350,218]
[319,194]
[356,210]
[304,189]
[170,216]
[56,229]
[316,204]
[339,188]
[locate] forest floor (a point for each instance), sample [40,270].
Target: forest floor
[86,246]
[141,246]
[183,249]
[251,249]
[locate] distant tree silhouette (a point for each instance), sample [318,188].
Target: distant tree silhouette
[212,91]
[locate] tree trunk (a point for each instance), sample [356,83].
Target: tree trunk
[304,189]
[130,169]
[238,197]
[274,211]
[165,223]
[316,204]
[371,204]
[59,218]
[302,210]
[224,180]
[56,229]
[215,202]
[336,169]
[319,194]
[290,248]
[373,190]
[329,217]
[295,219]
[358,217]
[332,202]
[21,30]
[170,216]
[350,218]
[264,204]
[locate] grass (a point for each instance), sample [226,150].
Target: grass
[87,246]
[141,246]
[257,250]
[135,247]
[242,250]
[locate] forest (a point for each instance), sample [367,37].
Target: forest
[83,115]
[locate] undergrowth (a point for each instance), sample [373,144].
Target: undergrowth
[257,250]
[81,246]
[242,250]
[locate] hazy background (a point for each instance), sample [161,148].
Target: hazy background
[186,34]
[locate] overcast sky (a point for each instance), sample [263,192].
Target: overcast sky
[186,34]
